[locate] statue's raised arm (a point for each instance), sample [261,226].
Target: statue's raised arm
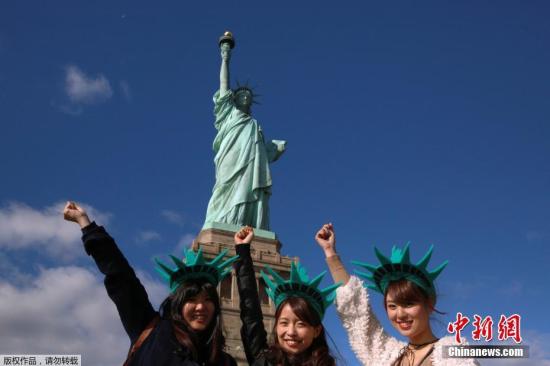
[226,44]
[243,180]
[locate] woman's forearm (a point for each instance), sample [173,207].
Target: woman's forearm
[337,269]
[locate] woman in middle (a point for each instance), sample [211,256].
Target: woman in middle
[298,334]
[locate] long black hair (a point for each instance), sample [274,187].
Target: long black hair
[212,337]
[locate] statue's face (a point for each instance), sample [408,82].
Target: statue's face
[243,99]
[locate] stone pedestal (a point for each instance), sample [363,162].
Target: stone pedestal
[265,249]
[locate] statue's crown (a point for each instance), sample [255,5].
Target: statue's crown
[398,267]
[246,87]
[195,266]
[299,285]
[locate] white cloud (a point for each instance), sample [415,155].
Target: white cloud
[538,342]
[23,227]
[62,311]
[173,217]
[66,310]
[147,235]
[84,89]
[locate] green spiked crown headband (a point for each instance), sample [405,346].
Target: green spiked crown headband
[195,267]
[299,285]
[398,267]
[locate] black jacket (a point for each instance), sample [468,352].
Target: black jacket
[161,347]
[253,332]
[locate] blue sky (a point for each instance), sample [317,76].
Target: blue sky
[424,122]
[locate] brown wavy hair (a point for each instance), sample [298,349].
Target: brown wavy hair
[318,353]
[404,291]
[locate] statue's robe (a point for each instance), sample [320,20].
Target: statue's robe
[243,180]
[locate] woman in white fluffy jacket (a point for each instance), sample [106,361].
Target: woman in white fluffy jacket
[409,299]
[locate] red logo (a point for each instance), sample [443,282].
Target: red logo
[508,327]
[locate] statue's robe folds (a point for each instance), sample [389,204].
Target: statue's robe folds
[243,180]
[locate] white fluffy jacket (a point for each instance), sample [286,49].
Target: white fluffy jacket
[371,344]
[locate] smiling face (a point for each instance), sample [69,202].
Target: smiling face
[199,311]
[294,335]
[409,310]
[412,320]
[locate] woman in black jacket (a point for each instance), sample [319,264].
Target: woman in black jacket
[298,334]
[188,330]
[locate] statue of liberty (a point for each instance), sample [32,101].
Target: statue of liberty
[243,181]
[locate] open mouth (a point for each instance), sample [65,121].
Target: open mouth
[292,342]
[405,325]
[201,318]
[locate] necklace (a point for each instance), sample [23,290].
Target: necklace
[408,352]
[422,345]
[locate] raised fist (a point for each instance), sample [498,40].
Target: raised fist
[244,236]
[75,213]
